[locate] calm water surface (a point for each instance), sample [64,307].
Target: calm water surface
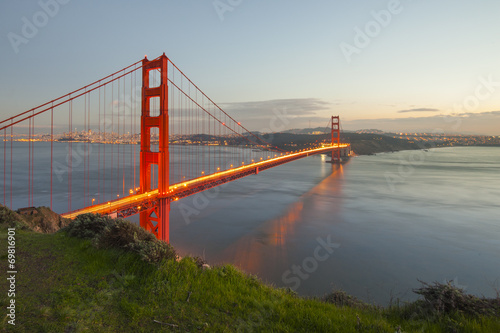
[389,219]
[393,218]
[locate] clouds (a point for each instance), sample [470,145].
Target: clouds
[418,110]
[480,114]
[289,113]
[295,107]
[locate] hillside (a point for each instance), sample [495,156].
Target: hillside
[103,275]
[367,144]
[361,144]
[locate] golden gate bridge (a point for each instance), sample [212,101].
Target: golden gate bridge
[188,144]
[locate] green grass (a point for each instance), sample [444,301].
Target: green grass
[66,284]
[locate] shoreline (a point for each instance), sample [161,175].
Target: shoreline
[426,149]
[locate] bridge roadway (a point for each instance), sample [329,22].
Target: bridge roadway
[134,203]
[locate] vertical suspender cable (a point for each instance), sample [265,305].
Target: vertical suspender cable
[191,135]
[203,131]
[212,150]
[89,149]
[11,148]
[219,140]
[209,143]
[135,129]
[197,132]
[33,164]
[112,190]
[51,152]
[99,142]
[4,165]
[181,128]
[118,138]
[123,133]
[131,130]
[70,157]
[172,100]
[29,162]
[181,118]
[84,151]
[30,150]
[105,142]
[171,125]
[32,159]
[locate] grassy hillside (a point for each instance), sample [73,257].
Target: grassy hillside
[110,276]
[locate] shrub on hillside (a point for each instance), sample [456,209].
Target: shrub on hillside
[88,226]
[121,233]
[448,299]
[106,232]
[341,298]
[126,235]
[153,251]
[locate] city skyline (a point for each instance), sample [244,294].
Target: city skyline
[390,65]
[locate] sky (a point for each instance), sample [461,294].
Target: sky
[402,66]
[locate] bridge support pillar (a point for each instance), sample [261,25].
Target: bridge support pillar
[155,219]
[164,222]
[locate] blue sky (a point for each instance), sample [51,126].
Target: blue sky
[364,60]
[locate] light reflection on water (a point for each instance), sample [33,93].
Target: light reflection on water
[439,223]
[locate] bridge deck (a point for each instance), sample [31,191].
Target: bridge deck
[135,203]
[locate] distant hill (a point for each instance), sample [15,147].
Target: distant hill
[362,144]
[306,130]
[367,144]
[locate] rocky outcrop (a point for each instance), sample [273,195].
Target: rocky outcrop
[39,219]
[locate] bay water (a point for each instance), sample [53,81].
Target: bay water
[373,226]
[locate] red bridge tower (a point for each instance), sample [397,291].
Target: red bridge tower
[155,218]
[336,138]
